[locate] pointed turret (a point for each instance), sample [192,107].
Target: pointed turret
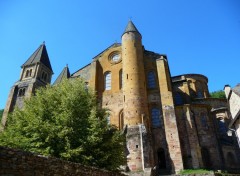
[65,74]
[39,56]
[131,28]
[135,100]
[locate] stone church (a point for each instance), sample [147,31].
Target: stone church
[171,122]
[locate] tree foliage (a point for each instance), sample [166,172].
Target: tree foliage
[1,113]
[64,121]
[218,94]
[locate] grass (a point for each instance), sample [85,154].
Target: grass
[195,171]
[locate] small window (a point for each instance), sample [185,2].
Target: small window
[44,76]
[30,73]
[151,80]
[21,92]
[120,79]
[108,119]
[204,121]
[86,86]
[199,94]
[108,81]
[156,122]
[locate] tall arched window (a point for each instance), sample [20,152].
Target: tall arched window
[30,73]
[156,122]
[27,74]
[108,81]
[151,80]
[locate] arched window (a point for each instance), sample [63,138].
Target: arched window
[108,81]
[178,98]
[151,80]
[120,79]
[21,92]
[27,74]
[222,126]
[199,94]
[204,121]
[161,158]
[44,76]
[156,122]
[206,158]
[30,73]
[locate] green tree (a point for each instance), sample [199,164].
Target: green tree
[218,94]
[1,113]
[64,121]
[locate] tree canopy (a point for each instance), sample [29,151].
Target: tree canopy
[1,113]
[64,121]
[218,94]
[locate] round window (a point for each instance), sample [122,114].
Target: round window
[115,57]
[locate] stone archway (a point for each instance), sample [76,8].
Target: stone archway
[161,159]
[206,158]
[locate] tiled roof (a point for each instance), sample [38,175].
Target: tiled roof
[236,89]
[63,75]
[131,28]
[39,56]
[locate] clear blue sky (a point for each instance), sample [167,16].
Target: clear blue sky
[198,36]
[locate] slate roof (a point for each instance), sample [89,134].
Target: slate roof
[131,28]
[65,74]
[236,89]
[39,56]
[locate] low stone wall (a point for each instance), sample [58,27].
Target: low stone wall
[16,162]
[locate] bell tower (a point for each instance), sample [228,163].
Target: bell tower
[135,99]
[36,72]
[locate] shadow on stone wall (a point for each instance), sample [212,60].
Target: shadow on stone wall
[17,162]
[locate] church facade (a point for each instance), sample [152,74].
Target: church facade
[170,123]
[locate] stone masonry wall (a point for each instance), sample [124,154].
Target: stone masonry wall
[16,162]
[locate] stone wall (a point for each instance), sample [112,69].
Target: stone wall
[16,162]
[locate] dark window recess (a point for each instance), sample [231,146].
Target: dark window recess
[151,80]
[156,121]
[178,99]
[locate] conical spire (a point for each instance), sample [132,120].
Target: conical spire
[65,74]
[131,28]
[39,56]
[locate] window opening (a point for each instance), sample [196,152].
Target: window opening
[156,122]
[151,80]
[108,81]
